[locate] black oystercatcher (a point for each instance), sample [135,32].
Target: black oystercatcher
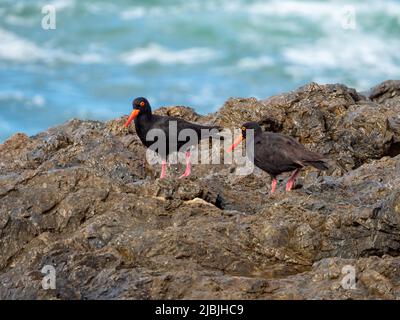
[145,121]
[276,153]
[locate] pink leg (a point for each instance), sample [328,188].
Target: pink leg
[163,169]
[188,165]
[292,180]
[273,185]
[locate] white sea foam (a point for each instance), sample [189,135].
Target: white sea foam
[62,4]
[18,49]
[20,21]
[285,8]
[133,13]
[102,7]
[30,101]
[321,10]
[255,63]
[360,56]
[38,100]
[162,55]
[362,51]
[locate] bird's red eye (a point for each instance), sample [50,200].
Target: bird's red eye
[142,104]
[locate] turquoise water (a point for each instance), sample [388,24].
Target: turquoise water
[198,53]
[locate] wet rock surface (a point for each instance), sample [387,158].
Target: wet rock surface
[81,197]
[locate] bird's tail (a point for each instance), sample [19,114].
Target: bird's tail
[319,164]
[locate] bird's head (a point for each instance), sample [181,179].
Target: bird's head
[244,128]
[140,105]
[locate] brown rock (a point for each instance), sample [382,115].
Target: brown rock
[81,198]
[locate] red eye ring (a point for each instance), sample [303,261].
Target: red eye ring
[142,104]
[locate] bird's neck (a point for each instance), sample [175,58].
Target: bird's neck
[254,137]
[143,119]
[144,116]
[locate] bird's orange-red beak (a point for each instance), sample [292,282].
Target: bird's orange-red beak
[133,115]
[235,144]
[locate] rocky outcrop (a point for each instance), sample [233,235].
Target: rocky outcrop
[81,197]
[332,119]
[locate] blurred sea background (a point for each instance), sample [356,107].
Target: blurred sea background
[102,54]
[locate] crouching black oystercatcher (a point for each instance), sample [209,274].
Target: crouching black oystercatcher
[276,153]
[145,121]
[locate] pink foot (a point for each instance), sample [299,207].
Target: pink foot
[163,169]
[273,185]
[292,180]
[188,166]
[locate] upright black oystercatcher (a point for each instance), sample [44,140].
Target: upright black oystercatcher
[180,139]
[276,153]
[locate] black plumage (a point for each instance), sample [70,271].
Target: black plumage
[276,153]
[145,121]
